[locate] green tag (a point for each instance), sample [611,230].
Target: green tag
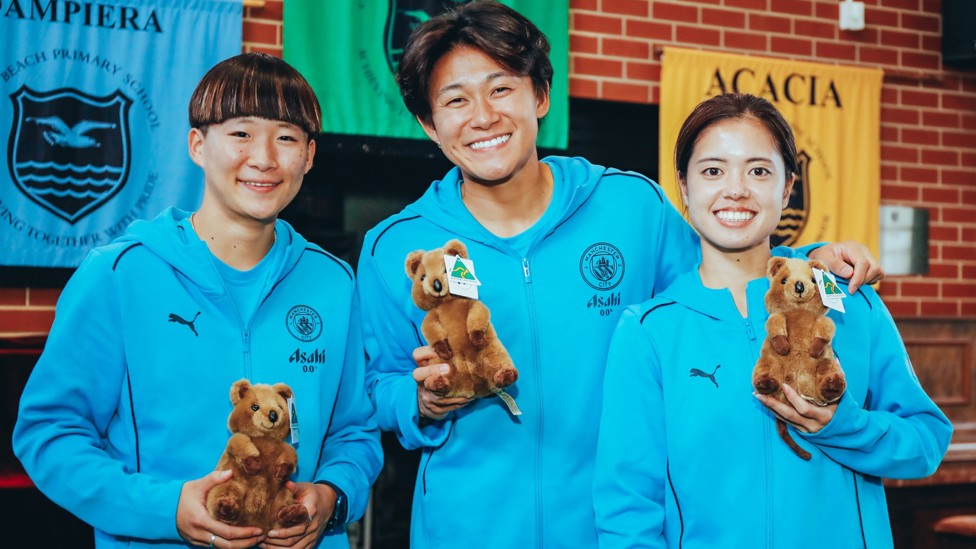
[830,287]
[461,271]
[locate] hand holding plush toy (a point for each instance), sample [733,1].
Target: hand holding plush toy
[261,460]
[797,348]
[458,329]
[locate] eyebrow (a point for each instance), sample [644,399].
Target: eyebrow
[458,85]
[718,159]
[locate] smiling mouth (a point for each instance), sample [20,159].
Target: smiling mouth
[734,217]
[258,184]
[478,145]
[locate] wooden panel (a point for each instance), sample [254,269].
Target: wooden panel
[944,368]
[943,356]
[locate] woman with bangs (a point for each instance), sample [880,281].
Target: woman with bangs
[129,401]
[688,453]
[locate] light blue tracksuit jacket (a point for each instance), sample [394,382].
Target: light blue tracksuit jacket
[126,403]
[687,457]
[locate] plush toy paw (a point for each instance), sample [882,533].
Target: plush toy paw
[766,385]
[438,384]
[478,339]
[832,387]
[505,377]
[780,344]
[443,349]
[293,515]
[251,465]
[227,510]
[282,471]
[817,347]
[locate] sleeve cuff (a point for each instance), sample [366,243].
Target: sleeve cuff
[846,407]
[340,512]
[412,432]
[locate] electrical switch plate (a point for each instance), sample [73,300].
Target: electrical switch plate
[851,15]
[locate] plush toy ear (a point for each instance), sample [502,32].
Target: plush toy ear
[283,390]
[413,262]
[238,390]
[455,247]
[817,265]
[774,265]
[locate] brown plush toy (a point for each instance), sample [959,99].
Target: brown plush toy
[797,348]
[458,329]
[261,460]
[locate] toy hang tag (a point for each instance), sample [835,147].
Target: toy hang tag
[461,279]
[508,400]
[830,292]
[293,418]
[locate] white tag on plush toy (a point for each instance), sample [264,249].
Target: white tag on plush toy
[830,292]
[293,415]
[461,279]
[509,401]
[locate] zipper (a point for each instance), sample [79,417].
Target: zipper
[767,436]
[246,341]
[534,328]
[750,332]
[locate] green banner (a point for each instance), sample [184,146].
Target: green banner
[349,50]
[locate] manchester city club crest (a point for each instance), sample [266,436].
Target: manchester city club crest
[304,323]
[797,210]
[602,266]
[404,16]
[69,151]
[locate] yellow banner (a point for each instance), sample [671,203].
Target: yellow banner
[836,117]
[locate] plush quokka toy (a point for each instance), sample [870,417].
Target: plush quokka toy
[458,329]
[261,460]
[797,348]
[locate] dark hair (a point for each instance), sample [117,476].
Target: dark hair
[502,33]
[259,85]
[734,105]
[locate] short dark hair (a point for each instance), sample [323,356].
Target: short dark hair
[735,105]
[502,33]
[259,85]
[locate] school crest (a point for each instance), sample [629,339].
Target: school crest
[404,16]
[797,210]
[69,152]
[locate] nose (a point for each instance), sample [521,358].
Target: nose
[484,115]
[736,188]
[263,155]
[437,285]
[798,287]
[273,416]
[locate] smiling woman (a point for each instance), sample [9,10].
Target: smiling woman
[192,303]
[672,404]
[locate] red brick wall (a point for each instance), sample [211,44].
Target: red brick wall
[928,129]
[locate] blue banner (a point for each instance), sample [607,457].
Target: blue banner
[93,107]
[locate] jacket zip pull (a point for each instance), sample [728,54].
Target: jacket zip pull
[750,331]
[525,269]
[246,340]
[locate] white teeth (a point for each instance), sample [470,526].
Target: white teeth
[491,142]
[734,216]
[255,184]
